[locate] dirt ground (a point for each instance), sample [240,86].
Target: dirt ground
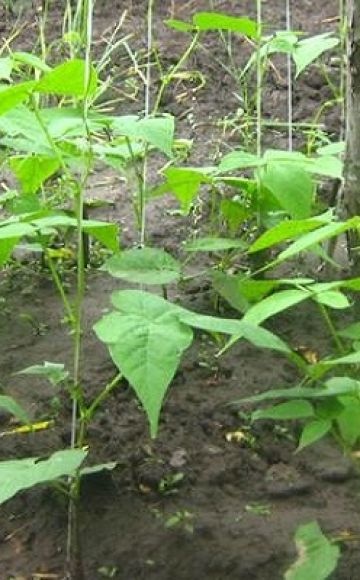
[240,503]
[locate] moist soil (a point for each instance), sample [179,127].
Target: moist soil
[237,491]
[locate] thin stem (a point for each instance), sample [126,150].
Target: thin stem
[60,288]
[325,313]
[90,411]
[166,80]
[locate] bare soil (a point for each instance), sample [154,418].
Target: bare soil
[244,499]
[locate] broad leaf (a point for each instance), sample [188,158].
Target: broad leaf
[20,474]
[144,266]
[12,96]
[69,79]
[219,21]
[310,49]
[314,431]
[274,304]
[291,186]
[54,372]
[239,160]
[317,556]
[297,409]
[157,131]
[286,230]
[32,171]
[146,340]
[214,245]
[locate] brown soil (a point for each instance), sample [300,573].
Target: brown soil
[245,500]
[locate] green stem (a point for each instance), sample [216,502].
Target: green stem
[60,288]
[166,80]
[332,329]
[90,411]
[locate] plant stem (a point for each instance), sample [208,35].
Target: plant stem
[60,288]
[325,313]
[102,396]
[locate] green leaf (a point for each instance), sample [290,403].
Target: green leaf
[184,184]
[239,159]
[219,21]
[317,557]
[30,59]
[274,304]
[12,407]
[241,292]
[352,331]
[349,359]
[68,79]
[157,131]
[146,340]
[286,230]
[310,49]
[320,235]
[33,171]
[313,431]
[334,388]
[6,66]
[144,266]
[292,187]
[15,230]
[179,25]
[333,299]
[12,97]
[6,247]
[106,233]
[20,474]
[214,245]
[54,372]
[332,149]
[348,421]
[297,409]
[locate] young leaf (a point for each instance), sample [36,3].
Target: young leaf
[146,340]
[6,66]
[239,291]
[179,25]
[297,409]
[68,79]
[20,474]
[286,230]
[352,331]
[320,235]
[12,407]
[274,304]
[54,372]
[184,183]
[238,160]
[310,49]
[214,245]
[333,299]
[313,431]
[348,421]
[157,131]
[12,97]
[291,186]
[219,21]
[317,557]
[144,266]
[32,171]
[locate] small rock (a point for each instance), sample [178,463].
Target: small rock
[334,472]
[283,481]
[178,458]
